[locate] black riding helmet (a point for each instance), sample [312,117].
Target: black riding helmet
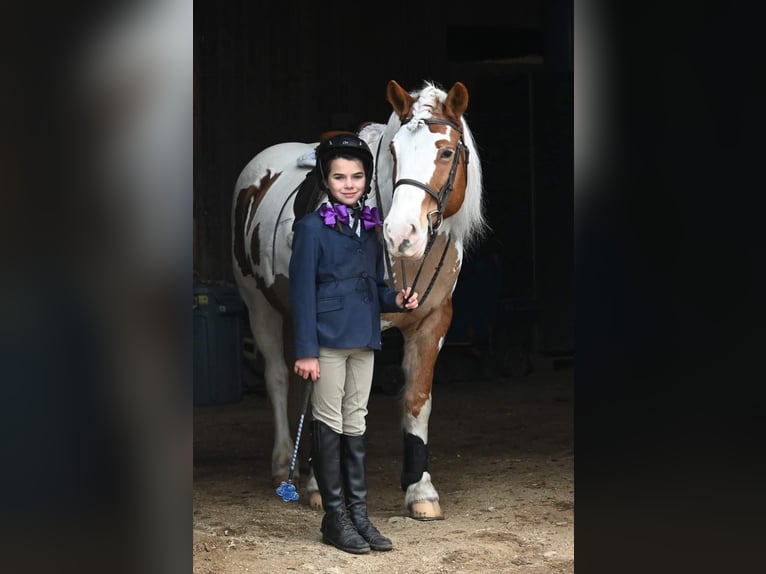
[348,146]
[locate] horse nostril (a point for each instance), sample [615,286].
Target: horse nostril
[413,231]
[404,245]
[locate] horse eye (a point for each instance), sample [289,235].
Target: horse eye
[445,153]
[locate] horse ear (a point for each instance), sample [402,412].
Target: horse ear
[457,99]
[399,99]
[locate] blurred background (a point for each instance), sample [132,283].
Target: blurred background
[95,329]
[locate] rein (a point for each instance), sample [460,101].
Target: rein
[440,197]
[379,201]
[437,269]
[276,228]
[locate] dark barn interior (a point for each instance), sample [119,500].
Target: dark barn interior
[272,72]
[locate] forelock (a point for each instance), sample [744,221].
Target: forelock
[428,99]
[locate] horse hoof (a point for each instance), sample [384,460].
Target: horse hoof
[425,510]
[315,500]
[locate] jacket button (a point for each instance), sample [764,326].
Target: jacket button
[364,273]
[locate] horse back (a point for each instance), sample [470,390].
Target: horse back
[262,212]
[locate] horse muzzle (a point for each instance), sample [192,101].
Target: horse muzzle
[406,241]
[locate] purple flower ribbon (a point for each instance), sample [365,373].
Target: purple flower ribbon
[333,213]
[370,217]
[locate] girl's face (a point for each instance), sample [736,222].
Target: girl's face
[346,180]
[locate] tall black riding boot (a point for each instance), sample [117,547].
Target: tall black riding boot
[353,455]
[337,528]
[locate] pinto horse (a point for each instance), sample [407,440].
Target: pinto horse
[427,185]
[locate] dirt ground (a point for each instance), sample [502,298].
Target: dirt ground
[501,457]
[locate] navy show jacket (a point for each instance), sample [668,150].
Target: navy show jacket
[337,287]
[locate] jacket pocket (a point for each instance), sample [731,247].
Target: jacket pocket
[329,304]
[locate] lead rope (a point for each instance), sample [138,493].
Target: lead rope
[379,201]
[437,269]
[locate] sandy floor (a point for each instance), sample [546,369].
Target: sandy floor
[501,458]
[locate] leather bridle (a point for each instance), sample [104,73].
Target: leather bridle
[442,196]
[436,216]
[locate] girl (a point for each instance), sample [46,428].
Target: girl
[337,292]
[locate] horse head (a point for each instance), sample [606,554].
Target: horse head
[430,155]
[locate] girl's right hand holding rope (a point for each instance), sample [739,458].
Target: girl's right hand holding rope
[405,300]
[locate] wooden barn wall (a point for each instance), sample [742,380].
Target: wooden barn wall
[267,72]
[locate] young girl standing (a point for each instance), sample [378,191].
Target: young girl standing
[337,292]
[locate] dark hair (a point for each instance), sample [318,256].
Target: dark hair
[346,146]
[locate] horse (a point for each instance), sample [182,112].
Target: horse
[427,184]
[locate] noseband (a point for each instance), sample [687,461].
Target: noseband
[436,217]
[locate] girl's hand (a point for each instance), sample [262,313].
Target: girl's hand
[402,296]
[306,367]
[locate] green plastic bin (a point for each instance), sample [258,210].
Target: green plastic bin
[218,312]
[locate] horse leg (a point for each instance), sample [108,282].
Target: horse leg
[421,348]
[266,324]
[315,498]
